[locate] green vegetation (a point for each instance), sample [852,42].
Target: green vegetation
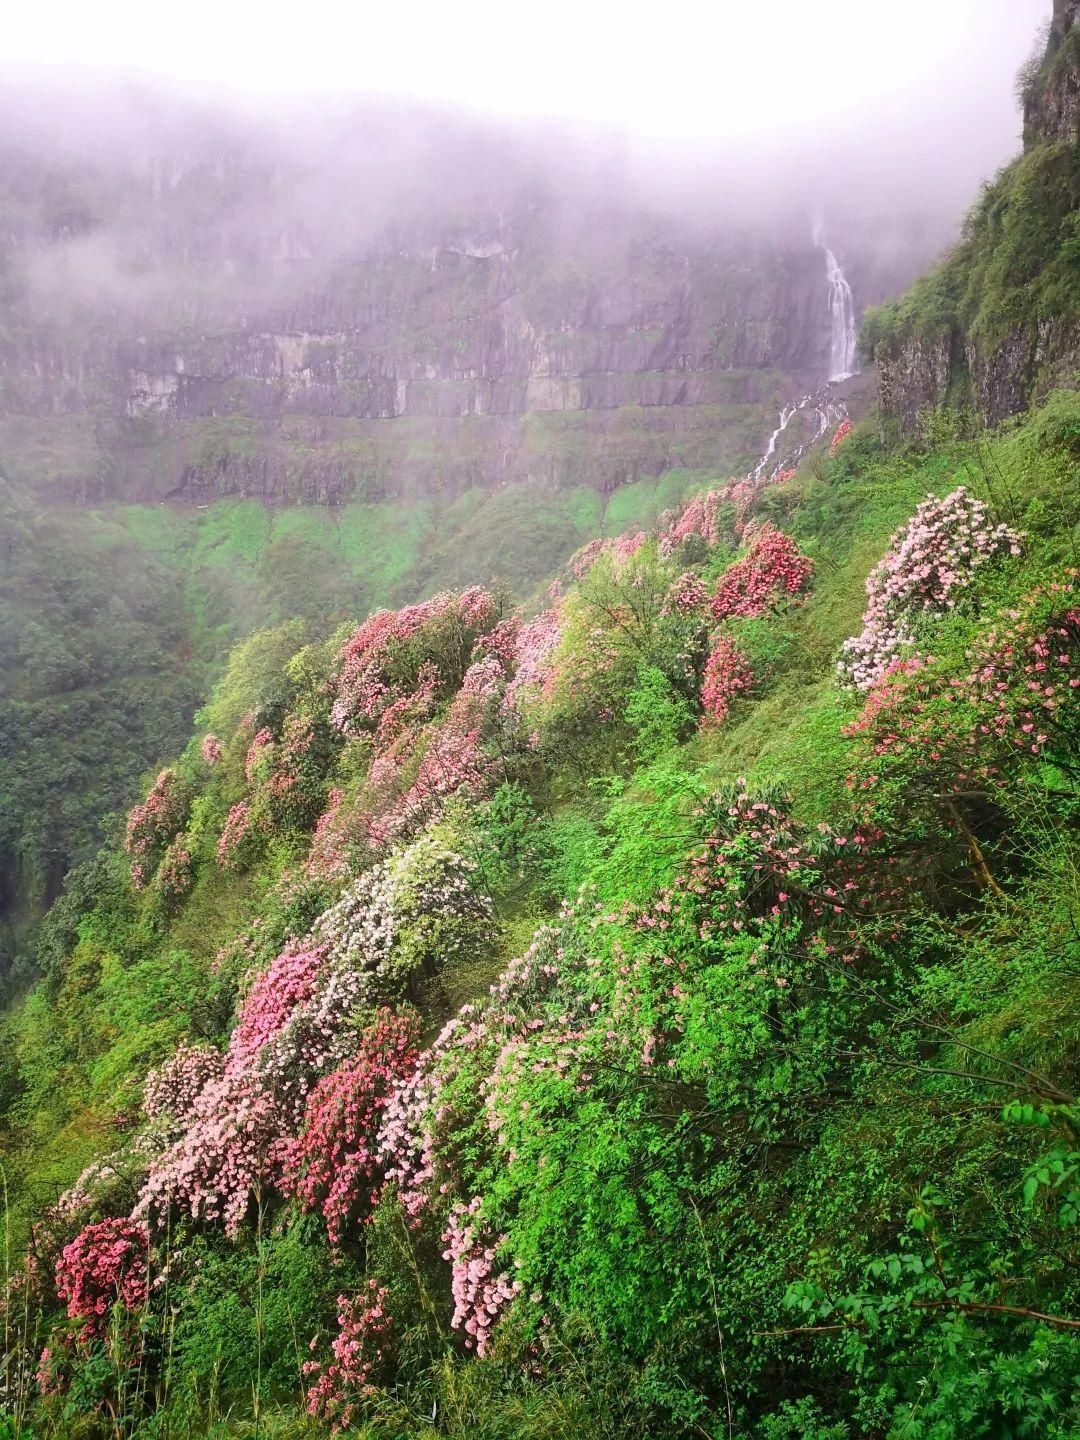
[114,622]
[776,1121]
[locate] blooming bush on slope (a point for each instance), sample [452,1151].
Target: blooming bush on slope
[843,430]
[929,566]
[237,836]
[925,726]
[412,912]
[481,1292]
[171,1090]
[727,675]
[361,1348]
[333,1165]
[381,661]
[106,1263]
[153,823]
[771,569]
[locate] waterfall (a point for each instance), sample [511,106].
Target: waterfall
[843,356]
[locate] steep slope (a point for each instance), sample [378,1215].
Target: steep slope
[753,1108]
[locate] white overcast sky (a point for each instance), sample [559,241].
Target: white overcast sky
[672,70]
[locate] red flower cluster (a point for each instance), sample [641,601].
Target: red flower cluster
[333,1165]
[771,568]
[105,1264]
[843,430]
[727,675]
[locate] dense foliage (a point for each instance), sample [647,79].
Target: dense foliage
[653,1016]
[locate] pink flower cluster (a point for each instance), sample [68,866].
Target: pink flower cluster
[154,822]
[362,1346]
[333,1165]
[211,749]
[171,1091]
[759,865]
[1017,701]
[234,835]
[771,569]
[537,644]
[687,595]
[727,675]
[480,1294]
[104,1265]
[929,565]
[222,1159]
[272,1000]
[255,760]
[699,519]
[366,683]
[176,873]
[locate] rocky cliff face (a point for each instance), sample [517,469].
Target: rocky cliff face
[997,324]
[1052,95]
[225,318]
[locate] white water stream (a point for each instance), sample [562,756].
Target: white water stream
[843,362]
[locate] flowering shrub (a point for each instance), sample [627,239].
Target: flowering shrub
[105,1264]
[687,595]
[378,666]
[222,1159]
[271,1001]
[258,755]
[758,867]
[153,823]
[88,1189]
[176,874]
[480,1294]
[771,569]
[235,838]
[211,749]
[843,430]
[537,643]
[171,1091]
[360,1349]
[727,675]
[332,1167]
[406,915]
[928,567]
[1018,700]
[699,519]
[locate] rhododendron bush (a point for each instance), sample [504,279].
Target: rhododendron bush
[360,1352]
[727,675]
[930,565]
[105,1265]
[155,822]
[771,570]
[333,1164]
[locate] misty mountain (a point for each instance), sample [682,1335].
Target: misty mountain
[398,300]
